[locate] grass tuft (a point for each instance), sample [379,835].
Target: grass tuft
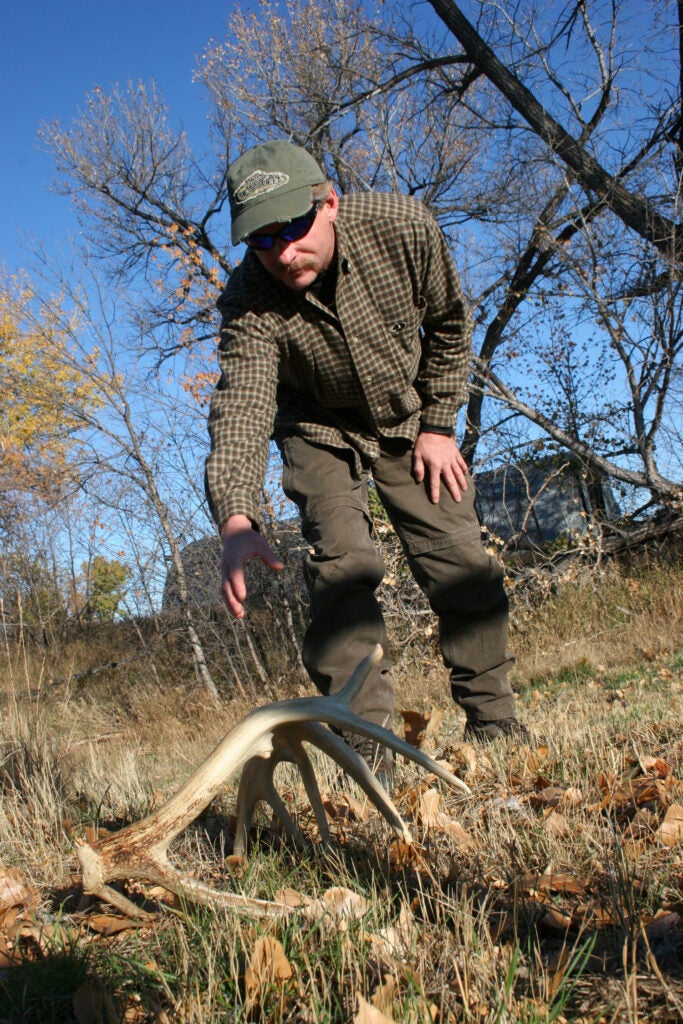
[554,894]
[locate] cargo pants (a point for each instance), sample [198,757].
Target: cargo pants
[443,548]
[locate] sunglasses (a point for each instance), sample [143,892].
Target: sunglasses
[291,232]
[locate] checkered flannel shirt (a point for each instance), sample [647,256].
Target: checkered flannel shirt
[391,355]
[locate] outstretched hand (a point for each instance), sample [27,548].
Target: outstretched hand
[437,458]
[240,543]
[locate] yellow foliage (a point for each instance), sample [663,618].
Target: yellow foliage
[44,392]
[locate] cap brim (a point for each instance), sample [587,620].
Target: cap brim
[279,209]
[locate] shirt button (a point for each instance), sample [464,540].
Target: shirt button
[368,379]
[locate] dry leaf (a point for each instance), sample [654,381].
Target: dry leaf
[549,796]
[655,766]
[48,936]
[346,808]
[383,996]
[428,812]
[464,757]
[414,725]
[344,903]
[633,792]
[643,825]
[267,966]
[109,924]
[551,881]
[671,829]
[556,920]
[526,763]
[430,816]
[458,833]
[557,825]
[291,898]
[401,855]
[369,1014]
[419,728]
[634,849]
[338,905]
[396,941]
[13,921]
[15,890]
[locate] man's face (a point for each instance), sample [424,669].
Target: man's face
[298,264]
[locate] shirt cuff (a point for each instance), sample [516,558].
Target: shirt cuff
[430,428]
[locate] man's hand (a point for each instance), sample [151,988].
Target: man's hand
[436,457]
[240,543]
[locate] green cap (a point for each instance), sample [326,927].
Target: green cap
[270,184]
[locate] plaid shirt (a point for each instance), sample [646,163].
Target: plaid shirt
[388,355]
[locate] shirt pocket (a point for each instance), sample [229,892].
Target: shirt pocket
[404,342]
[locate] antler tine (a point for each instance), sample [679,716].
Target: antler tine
[356,766]
[257,784]
[346,719]
[353,686]
[257,777]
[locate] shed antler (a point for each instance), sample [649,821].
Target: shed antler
[257,744]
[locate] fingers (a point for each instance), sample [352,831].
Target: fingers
[238,548]
[437,459]
[455,479]
[434,475]
[234,590]
[418,467]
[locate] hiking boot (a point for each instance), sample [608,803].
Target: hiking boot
[501,728]
[379,759]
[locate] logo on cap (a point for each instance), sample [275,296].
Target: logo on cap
[258,184]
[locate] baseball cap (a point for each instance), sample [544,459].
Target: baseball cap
[270,184]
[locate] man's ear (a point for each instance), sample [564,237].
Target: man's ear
[331,206]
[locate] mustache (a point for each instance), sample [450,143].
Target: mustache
[298,265]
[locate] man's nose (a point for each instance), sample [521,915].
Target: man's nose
[285,252]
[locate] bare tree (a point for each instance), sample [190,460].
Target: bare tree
[637,211]
[125,436]
[547,143]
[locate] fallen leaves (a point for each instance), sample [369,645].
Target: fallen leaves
[551,881]
[270,980]
[670,832]
[525,797]
[624,795]
[421,728]
[268,969]
[109,924]
[369,1014]
[432,818]
[15,890]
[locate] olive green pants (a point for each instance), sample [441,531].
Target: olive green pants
[442,544]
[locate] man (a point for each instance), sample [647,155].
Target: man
[346,335]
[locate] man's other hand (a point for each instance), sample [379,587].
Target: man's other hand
[240,543]
[436,457]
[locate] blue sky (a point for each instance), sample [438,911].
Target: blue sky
[51,55]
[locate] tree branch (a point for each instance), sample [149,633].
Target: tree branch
[636,212]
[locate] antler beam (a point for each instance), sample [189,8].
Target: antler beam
[265,737]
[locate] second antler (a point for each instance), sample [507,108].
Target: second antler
[265,737]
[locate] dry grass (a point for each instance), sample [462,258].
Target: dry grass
[554,894]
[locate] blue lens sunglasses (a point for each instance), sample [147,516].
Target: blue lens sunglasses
[291,232]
